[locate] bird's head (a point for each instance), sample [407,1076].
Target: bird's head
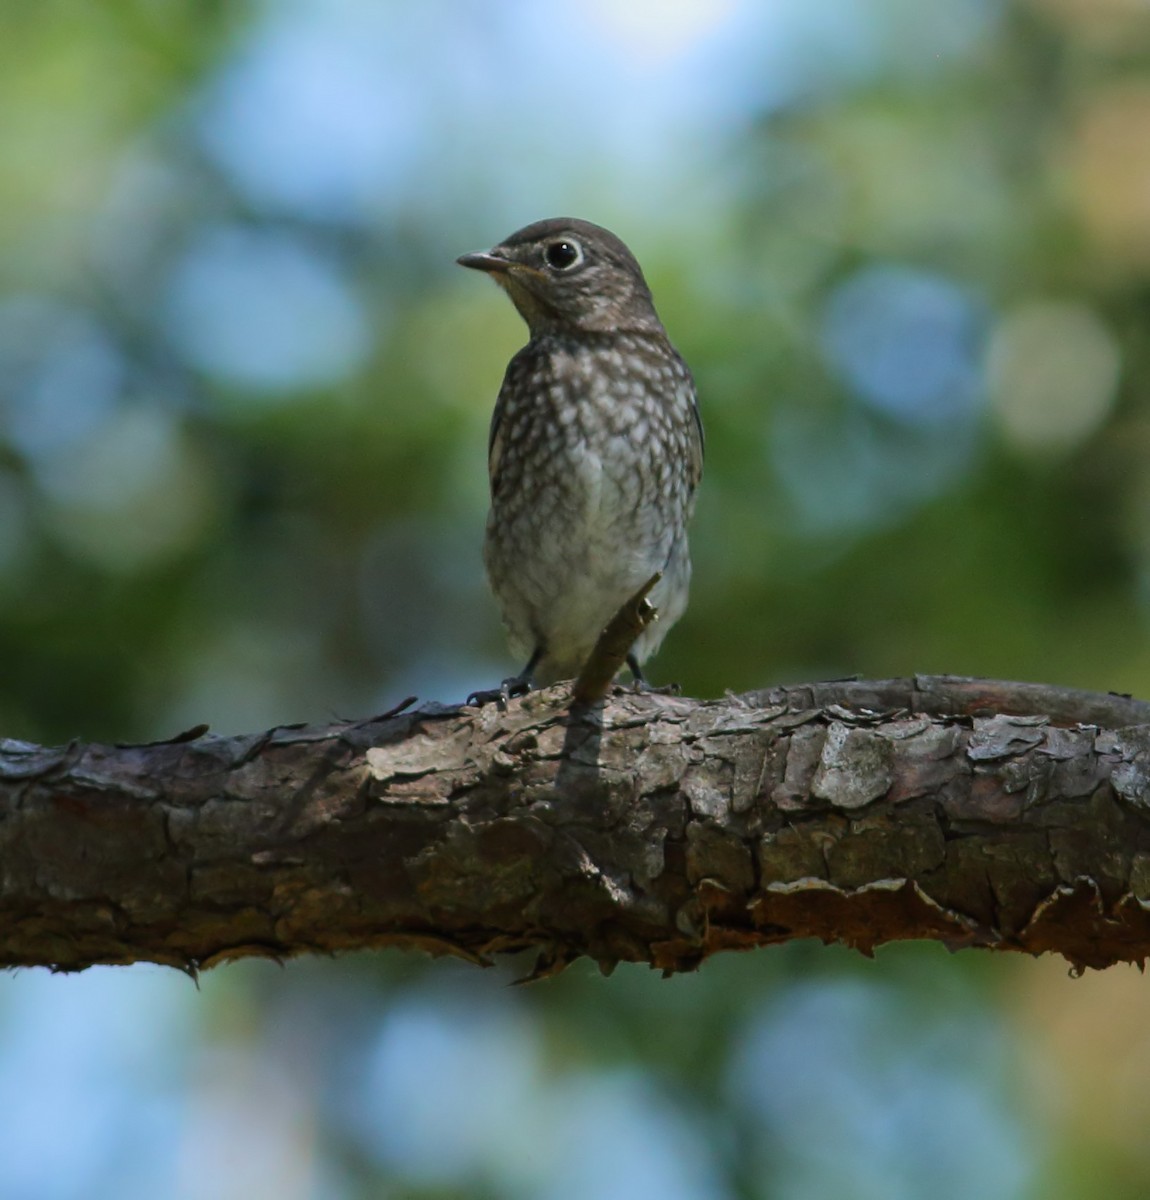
[565,274]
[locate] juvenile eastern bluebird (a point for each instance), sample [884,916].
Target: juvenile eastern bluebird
[595,452]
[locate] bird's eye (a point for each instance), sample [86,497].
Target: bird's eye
[563,255]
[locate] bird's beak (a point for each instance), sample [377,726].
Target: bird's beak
[486,260]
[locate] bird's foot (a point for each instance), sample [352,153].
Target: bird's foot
[515,685]
[641,686]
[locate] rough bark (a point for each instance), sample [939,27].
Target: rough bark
[648,829]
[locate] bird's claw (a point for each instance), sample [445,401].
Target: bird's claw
[640,685]
[516,685]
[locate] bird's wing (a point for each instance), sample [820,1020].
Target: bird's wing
[495,443]
[521,379]
[698,441]
[696,438]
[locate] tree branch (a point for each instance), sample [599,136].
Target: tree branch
[652,829]
[614,644]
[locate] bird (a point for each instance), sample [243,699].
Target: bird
[595,453]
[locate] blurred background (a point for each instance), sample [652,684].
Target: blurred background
[244,395]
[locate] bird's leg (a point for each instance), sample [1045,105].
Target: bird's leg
[513,685]
[642,684]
